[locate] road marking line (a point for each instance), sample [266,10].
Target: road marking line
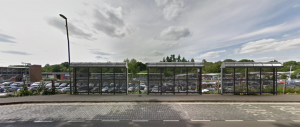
[296,120]
[266,120]
[201,120]
[42,121]
[7,121]
[76,121]
[139,120]
[233,120]
[171,120]
[110,120]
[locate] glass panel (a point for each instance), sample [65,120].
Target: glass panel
[154,80]
[95,80]
[120,79]
[168,80]
[228,74]
[180,80]
[82,80]
[240,84]
[108,80]
[9,71]
[267,80]
[254,80]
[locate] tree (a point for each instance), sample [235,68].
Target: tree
[133,67]
[164,60]
[283,76]
[168,59]
[204,61]
[183,59]
[192,60]
[229,60]
[273,61]
[141,65]
[245,60]
[178,58]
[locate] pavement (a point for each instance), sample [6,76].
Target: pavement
[96,98]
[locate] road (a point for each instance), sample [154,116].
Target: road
[151,114]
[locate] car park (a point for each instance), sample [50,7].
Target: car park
[35,84]
[131,89]
[107,89]
[7,83]
[56,84]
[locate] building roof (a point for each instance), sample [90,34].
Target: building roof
[175,64]
[251,65]
[98,64]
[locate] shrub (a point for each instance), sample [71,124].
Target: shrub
[24,92]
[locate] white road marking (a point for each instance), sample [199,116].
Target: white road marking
[296,120]
[139,120]
[76,121]
[110,120]
[266,120]
[201,120]
[42,121]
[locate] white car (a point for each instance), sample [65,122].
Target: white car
[35,84]
[66,89]
[205,90]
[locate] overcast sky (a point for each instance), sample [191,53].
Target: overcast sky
[148,30]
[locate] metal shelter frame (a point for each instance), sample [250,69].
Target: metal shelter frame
[100,65]
[247,65]
[175,65]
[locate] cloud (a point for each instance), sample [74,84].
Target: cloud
[6,38]
[98,57]
[110,21]
[296,5]
[286,35]
[263,59]
[73,29]
[16,52]
[156,53]
[144,59]
[269,45]
[97,52]
[170,44]
[174,33]
[236,51]
[190,52]
[210,55]
[172,9]
[272,29]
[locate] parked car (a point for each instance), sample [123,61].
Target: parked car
[66,89]
[131,89]
[35,84]
[18,84]
[63,85]
[95,89]
[107,89]
[49,85]
[33,88]
[7,83]
[205,90]
[56,84]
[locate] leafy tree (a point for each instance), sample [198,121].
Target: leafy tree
[179,58]
[133,67]
[204,61]
[192,60]
[183,59]
[168,59]
[164,60]
[284,76]
[141,65]
[245,60]
[273,61]
[229,60]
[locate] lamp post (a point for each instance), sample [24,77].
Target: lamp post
[64,17]
[26,64]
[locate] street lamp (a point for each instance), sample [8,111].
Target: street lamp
[64,17]
[26,64]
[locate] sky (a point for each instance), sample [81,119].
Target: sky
[32,31]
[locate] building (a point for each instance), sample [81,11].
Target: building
[31,73]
